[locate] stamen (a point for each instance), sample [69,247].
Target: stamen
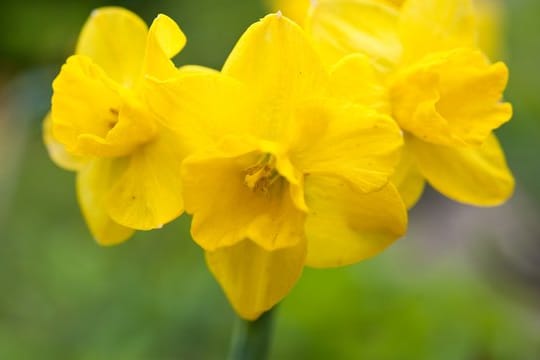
[261,176]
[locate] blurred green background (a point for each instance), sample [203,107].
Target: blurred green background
[464,284]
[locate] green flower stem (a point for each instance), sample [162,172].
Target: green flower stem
[251,339]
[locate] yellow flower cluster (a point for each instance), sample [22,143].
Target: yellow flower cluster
[304,150]
[442,90]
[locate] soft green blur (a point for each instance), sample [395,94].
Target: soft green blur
[464,284]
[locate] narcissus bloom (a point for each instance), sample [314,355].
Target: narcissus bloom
[443,91]
[127,162]
[293,166]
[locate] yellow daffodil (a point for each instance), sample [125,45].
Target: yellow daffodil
[292,167]
[127,162]
[443,91]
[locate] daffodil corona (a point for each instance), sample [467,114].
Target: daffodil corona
[292,167]
[443,91]
[127,162]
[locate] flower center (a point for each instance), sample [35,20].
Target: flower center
[261,176]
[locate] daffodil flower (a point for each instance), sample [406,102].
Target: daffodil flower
[443,91]
[292,167]
[127,162]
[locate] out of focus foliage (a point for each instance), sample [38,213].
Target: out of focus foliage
[63,297]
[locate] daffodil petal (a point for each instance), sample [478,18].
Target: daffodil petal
[196,69]
[253,278]
[93,183]
[201,106]
[57,151]
[407,178]
[355,143]
[397,3]
[148,194]
[226,211]
[293,9]
[115,39]
[165,40]
[345,225]
[452,98]
[355,79]
[295,179]
[431,26]
[343,27]
[277,63]
[472,175]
